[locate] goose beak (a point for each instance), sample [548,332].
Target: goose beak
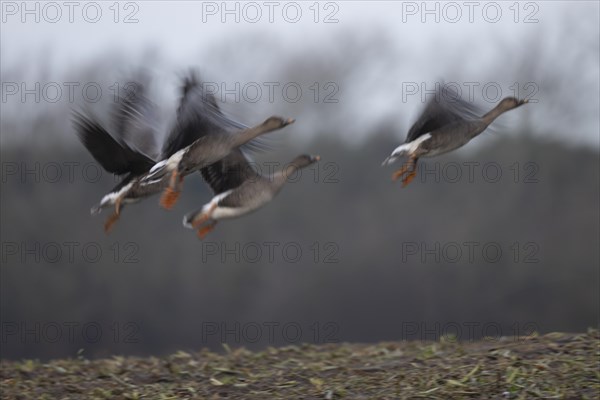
[315,158]
[524,101]
[289,121]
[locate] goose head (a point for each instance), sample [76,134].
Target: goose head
[508,103]
[304,160]
[273,123]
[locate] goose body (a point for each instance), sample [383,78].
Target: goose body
[445,125]
[443,140]
[223,208]
[216,143]
[238,190]
[135,118]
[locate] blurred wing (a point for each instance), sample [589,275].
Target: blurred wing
[198,114]
[114,157]
[135,118]
[228,173]
[447,106]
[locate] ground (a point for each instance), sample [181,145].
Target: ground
[556,365]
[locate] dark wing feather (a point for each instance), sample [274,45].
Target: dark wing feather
[229,172]
[135,117]
[198,115]
[124,182]
[114,157]
[446,106]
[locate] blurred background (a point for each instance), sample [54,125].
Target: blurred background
[499,238]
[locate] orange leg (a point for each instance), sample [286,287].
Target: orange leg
[202,232]
[176,180]
[172,192]
[205,216]
[407,172]
[201,220]
[398,174]
[110,221]
[408,178]
[118,205]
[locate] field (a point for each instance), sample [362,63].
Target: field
[556,365]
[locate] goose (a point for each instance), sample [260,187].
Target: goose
[136,118]
[446,124]
[238,189]
[217,139]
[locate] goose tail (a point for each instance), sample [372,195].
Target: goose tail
[97,209]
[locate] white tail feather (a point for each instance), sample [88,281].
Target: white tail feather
[162,167]
[405,149]
[211,205]
[110,199]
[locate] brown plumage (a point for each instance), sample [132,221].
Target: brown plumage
[446,124]
[238,189]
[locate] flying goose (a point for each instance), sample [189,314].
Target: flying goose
[133,117]
[238,189]
[136,118]
[446,124]
[218,137]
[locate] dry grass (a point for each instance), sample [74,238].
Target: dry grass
[557,365]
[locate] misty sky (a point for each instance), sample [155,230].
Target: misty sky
[374,53]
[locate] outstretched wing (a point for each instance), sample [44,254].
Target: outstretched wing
[446,106]
[114,157]
[229,172]
[135,117]
[198,115]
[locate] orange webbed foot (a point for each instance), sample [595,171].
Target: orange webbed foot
[398,174]
[202,232]
[172,192]
[199,221]
[408,178]
[110,221]
[169,198]
[407,172]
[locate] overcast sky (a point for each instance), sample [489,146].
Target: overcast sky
[377,57]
